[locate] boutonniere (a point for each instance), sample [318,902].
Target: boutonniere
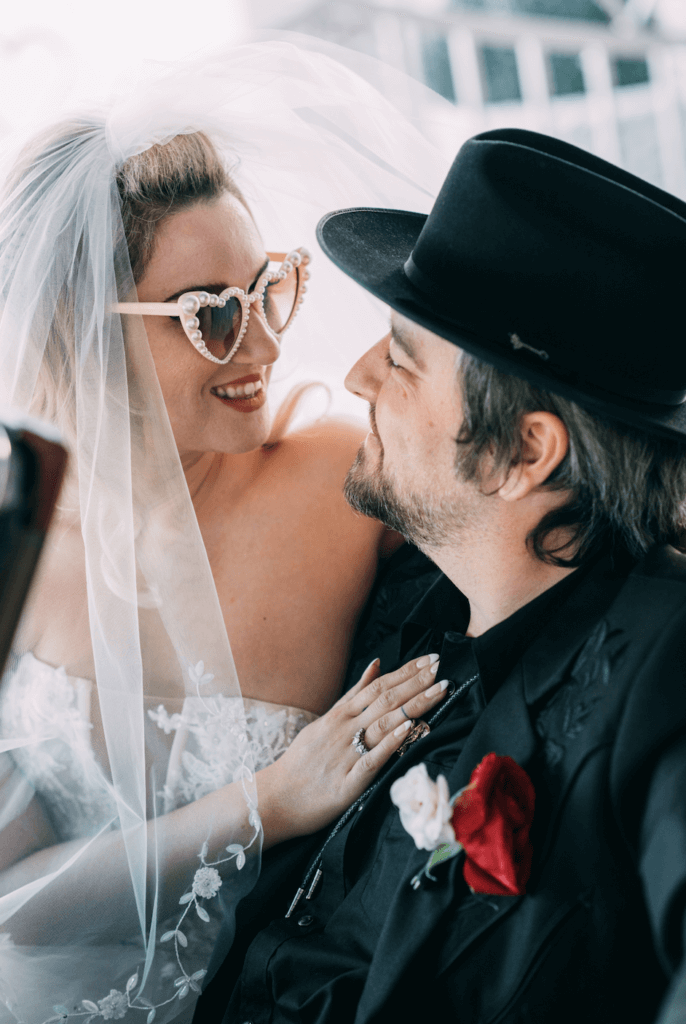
[488,820]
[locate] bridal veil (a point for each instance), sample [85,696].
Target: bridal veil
[303,135]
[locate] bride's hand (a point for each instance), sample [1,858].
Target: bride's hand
[321,773]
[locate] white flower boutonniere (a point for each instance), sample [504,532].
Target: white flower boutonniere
[425,808]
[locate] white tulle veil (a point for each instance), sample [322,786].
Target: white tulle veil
[303,135]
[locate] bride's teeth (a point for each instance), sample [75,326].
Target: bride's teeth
[240,390]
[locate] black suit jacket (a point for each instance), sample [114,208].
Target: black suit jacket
[596,714]
[600,726]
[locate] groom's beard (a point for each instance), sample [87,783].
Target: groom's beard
[428,523]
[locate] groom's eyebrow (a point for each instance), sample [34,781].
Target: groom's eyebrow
[403,341]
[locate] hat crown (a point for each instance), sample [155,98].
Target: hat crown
[547,262]
[567,260]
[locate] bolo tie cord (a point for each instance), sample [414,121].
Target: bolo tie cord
[314,872]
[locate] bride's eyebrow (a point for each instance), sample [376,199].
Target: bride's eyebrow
[216,288]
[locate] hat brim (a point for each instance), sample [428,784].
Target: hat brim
[372,246]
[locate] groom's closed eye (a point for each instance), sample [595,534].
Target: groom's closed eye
[405,343]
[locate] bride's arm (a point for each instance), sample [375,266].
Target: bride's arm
[316,779]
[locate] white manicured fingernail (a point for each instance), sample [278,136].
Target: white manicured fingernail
[437,688]
[434,669]
[402,728]
[374,662]
[428,659]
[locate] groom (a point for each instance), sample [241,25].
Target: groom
[528,433]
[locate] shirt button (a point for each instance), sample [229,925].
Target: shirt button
[306,921]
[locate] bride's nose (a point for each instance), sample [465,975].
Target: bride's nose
[260,346]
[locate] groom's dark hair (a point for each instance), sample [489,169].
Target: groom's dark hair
[625,485]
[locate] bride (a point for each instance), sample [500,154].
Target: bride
[142,312]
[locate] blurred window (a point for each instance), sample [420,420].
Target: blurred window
[630,71]
[582,10]
[566,76]
[436,63]
[501,78]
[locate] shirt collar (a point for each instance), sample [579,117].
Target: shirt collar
[444,611]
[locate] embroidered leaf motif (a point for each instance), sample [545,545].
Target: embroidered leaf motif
[167,936]
[182,938]
[568,711]
[254,820]
[151,1016]
[186,898]
[202,914]
[131,983]
[240,860]
[197,975]
[88,1005]
[183,992]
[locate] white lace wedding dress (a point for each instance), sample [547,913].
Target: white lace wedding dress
[53,711]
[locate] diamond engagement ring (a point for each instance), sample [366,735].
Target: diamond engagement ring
[359,744]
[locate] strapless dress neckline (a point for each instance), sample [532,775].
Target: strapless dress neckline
[52,711]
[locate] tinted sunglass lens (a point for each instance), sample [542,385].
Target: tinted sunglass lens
[220,326]
[279,300]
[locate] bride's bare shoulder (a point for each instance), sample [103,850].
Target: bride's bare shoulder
[321,455]
[328,444]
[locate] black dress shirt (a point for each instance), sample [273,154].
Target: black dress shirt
[312,966]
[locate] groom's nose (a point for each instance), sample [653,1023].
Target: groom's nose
[368,374]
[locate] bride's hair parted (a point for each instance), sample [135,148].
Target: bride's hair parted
[151,186]
[163,180]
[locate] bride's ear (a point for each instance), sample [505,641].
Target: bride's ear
[544,444]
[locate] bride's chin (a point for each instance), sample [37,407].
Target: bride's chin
[244,434]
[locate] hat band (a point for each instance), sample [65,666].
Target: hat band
[618,386]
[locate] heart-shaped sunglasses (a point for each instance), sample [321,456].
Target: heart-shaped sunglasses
[216,324]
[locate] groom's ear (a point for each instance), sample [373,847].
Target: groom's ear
[544,444]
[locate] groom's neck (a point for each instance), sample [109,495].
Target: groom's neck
[498,574]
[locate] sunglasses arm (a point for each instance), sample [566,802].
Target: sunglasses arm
[148,308]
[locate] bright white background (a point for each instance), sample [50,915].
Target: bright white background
[54,55]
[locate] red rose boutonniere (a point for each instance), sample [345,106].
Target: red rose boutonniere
[489,820]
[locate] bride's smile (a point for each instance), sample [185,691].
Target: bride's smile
[244,393]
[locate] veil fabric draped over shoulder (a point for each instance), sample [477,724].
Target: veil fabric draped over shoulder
[303,135]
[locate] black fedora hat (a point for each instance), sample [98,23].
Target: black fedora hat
[547,262]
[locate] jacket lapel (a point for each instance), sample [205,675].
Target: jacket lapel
[504,729]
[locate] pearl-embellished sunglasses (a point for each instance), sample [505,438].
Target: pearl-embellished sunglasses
[216,324]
